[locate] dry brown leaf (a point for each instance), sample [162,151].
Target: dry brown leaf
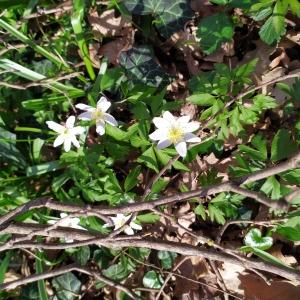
[107,24]
[287,259]
[280,59]
[256,288]
[294,36]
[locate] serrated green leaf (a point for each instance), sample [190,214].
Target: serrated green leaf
[200,210]
[216,214]
[213,31]
[202,99]
[149,159]
[292,176]
[282,145]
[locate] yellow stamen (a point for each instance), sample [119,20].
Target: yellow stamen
[175,134]
[97,114]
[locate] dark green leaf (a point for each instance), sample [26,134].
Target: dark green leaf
[67,286]
[152,280]
[132,178]
[167,258]
[254,239]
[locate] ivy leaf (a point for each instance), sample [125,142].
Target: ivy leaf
[140,66]
[166,258]
[213,31]
[254,239]
[282,146]
[67,286]
[152,280]
[170,15]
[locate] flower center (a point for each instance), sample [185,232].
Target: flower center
[175,134]
[97,114]
[66,132]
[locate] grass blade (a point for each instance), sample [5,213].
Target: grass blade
[24,72]
[26,40]
[4,265]
[76,19]
[39,270]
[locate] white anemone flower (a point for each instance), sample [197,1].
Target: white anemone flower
[98,114]
[172,130]
[66,134]
[69,223]
[120,220]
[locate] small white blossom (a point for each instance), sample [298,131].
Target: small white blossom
[120,220]
[98,114]
[68,222]
[66,134]
[178,131]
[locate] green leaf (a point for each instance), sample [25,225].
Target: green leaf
[260,152]
[275,25]
[39,270]
[170,15]
[83,254]
[262,102]
[117,272]
[291,233]
[292,176]
[132,178]
[216,214]
[152,280]
[149,159]
[148,218]
[268,257]
[213,31]
[254,239]
[167,258]
[202,99]
[43,168]
[246,70]
[200,210]
[140,66]
[4,265]
[272,186]
[282,146]
[67,286]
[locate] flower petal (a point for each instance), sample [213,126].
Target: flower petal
[110,119]
[67,144]
[59,140]
[163,144]
[103,104]
[160,122]
[191,138]
[181,148]
[100,127]
[183,119]
[158,134]
[84,106]
[55,126]
[128,230]
[74,141]
[86,116]
[70,122]
[169,117]
[77,130]
[135,226]
[191,126]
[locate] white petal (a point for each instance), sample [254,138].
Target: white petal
[59,140]
[86,116]
[110,120]
[52,222]
[169,117]
[70,122]
[55,126]
[163,144]
[63,215]
[183,119]
[103,104]
[135,226]
[191,138]
[181,148]
[74,141]
[160,122]
[77,130]
[128,230]
[67,144]
[158,134]
[190,127]
[84,106]
[100,127]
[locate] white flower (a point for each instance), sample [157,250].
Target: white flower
[177,131]
[67,133]
[120,220]
[98,114]
[68,222]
